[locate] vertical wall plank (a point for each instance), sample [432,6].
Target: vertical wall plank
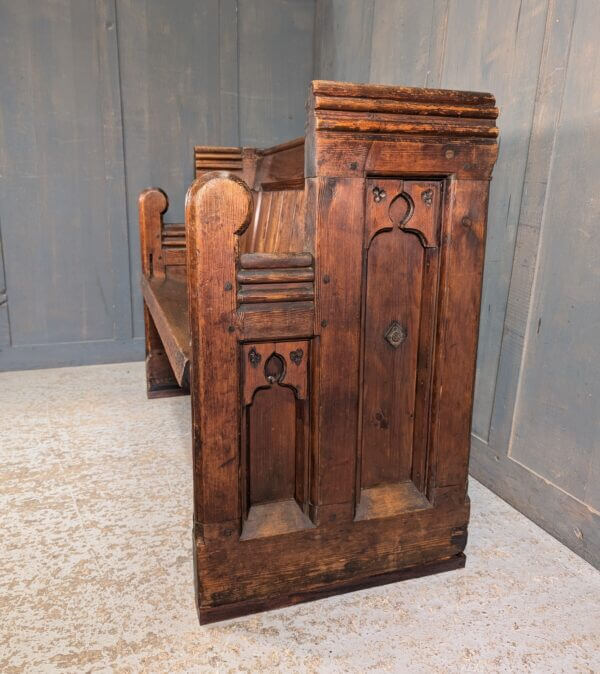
[557,418]
[343,40]
[275,66]
[99,101]
[406,41]
[549,95]
[229,134]
[114,165]
[61,190]
[497,46]
[171,93]
[536,411]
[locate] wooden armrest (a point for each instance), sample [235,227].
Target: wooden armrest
[167,301]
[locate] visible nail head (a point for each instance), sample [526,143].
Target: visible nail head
[323,323]
[353,166]
[231,329]
[449,154]
[466,221]
[228,286]
[326,278]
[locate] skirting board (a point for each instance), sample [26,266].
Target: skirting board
[555,511]
[67,354]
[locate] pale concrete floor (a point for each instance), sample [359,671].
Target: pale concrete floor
[96,571]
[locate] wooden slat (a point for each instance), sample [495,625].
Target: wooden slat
[275,260]
[275,293]
[337,322]
[276,275]
[167,301]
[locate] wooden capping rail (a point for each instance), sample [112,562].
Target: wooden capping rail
[282,147]
[405,111]
[275,260]
[382,91]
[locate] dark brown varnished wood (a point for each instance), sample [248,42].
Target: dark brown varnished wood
[321,304]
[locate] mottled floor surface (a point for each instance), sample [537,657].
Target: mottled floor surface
[96,570]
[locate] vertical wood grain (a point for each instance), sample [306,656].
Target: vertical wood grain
[465,212]
[492,46]
[344,29]
[229,121]
[550,91]
[407,41]
[557,418]
[61,190]
[275,68]
[338,202]
[171,101]
[272,445]
[217,210]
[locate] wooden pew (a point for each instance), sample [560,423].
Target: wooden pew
[321,306]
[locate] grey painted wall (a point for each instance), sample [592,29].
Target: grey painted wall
[536,422]
[98,100]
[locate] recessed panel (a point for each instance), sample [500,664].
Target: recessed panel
[275,434]
[392,306]
[272,444]
[400,279]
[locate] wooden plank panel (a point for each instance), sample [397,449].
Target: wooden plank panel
[406,42]
[393,293]
[574,523]
[456,344]
[229,122]
[549,95]
[339,202]
[171,100]
[557,423]
[496,46]
[343,40]
[217,209]
[272,445]
[62,185]
[168,303]
[275,67]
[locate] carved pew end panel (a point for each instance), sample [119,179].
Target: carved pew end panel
[165,302]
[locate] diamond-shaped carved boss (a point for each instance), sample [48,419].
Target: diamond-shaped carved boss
[395,334]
